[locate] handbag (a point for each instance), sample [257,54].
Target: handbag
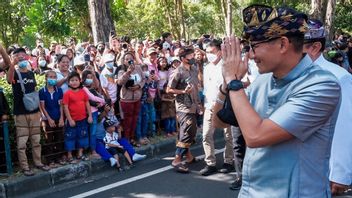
[226,114]
[30,100]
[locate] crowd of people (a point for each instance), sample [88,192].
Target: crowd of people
[109,98]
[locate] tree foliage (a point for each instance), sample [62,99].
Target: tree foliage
[21,21]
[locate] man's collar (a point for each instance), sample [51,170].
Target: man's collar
[295,72]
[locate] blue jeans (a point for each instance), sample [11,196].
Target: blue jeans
[101,150]
[92,131]
[152,119]
[77,135]
[127,146]
[170,125]
[142,122]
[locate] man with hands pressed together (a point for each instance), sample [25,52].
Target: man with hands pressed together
[288,121]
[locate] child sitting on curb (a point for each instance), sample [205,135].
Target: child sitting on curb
[112,144]
[108,114]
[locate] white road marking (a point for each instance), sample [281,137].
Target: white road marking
[132,179]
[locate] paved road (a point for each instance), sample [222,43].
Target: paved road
[153,178]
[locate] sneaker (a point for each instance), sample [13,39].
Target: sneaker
[226,168]
[208,170]
[112,161]
[236,185]
[138,157]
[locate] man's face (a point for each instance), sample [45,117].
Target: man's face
[169,39]
[52,46]
[264,53]
[188,57]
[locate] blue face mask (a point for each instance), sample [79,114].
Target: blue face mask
[23,64]
[42,63]
[52,82]
[109,65]
[88,81]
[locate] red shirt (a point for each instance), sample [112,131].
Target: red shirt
[76,102]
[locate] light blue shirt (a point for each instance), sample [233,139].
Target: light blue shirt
[341,153]
[302,103]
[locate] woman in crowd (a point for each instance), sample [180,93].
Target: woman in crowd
[95,100]
[130,77]
[52,117]
[62,72]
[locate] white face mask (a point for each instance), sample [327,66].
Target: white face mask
[146,74]
[212,57]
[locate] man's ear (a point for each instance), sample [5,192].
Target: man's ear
[285,43]
[317,47]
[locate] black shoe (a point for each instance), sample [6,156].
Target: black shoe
[226,168]
[236,185]
[208,170]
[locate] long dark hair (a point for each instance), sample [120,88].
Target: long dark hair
[159,61]
[85,73]
[124,67]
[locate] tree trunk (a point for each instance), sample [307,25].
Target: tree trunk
[172,20]
[100,17]
[224,13]
[317,9]
[182,20]
[229,18]
[329,19]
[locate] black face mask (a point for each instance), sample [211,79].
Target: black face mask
[101,68]
[101,50]
[191,61]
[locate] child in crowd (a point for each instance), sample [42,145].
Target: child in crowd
[76,107]
[52,116]
[95,100]
[108,114]
[152,93]
[168,112]
[112,145]
[143,117]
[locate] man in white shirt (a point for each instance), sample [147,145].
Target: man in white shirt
[341,154]
[212,80]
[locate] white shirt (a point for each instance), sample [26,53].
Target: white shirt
[107,82]
[111,139]
[341,152]
[212,79]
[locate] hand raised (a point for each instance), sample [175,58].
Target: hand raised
[234,66]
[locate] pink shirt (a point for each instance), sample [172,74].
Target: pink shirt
[94,98]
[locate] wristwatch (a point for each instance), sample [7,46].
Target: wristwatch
[235,85]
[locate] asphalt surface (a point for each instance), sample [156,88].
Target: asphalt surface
[152,178]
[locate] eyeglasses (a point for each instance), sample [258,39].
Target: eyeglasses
[255,45]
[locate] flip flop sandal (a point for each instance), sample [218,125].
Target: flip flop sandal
[43,168]
[180,168]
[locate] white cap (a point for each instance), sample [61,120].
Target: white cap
[79,60]
[108,57]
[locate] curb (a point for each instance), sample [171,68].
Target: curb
[19,186]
